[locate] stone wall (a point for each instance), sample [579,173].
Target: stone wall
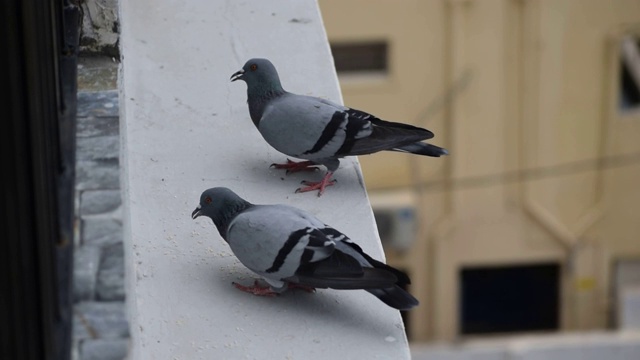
[100,325]
[100,28]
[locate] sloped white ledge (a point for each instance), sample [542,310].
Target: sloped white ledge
[186,128]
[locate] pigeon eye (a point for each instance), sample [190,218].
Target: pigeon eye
[253,67]
[207,200]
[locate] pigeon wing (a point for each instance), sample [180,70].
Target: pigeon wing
[273,240]
[310,128]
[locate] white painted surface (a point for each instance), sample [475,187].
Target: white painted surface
[186,128]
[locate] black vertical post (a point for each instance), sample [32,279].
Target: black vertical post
[38,47]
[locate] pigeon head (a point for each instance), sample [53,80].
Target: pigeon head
[261,77]
[221,205]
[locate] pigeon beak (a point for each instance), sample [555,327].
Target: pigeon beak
[237,75]
[196,212]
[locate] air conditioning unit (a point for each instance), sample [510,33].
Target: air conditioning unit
[396,226]
[629,308]
[626,290]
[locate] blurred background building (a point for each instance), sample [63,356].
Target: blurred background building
[532,224]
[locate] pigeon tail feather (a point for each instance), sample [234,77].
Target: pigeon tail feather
[420,148]
[387,138]
[371,278]
[403,279]
[395,297]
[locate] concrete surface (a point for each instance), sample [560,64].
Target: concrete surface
[186,128]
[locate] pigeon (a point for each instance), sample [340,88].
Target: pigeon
[318,130]
[291,248]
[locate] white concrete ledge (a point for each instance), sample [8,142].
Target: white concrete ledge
[186,128]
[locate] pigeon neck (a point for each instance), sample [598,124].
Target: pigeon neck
[222,219]
[259,96]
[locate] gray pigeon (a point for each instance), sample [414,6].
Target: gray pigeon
[290,248]
[318,130]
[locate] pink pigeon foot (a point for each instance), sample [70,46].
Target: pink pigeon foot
[320,185]
[256,289]
[292,166]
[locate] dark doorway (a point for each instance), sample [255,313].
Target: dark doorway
[504,299]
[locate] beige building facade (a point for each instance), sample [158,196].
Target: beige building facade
[545,162]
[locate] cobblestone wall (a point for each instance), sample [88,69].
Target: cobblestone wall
[100,326]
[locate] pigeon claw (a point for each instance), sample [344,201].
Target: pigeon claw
[320,185]
[292,166]
[256,289]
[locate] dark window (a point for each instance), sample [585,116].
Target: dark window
[509,298]
[354,57]
[629,98]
